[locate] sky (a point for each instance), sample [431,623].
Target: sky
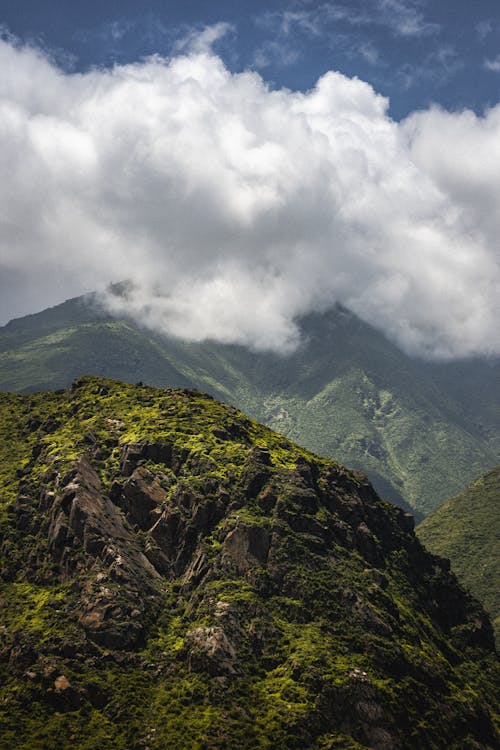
[245,163]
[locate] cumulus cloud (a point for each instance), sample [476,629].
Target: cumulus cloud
[235,209]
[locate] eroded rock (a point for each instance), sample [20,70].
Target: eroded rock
[246,546]
[210,650]
[140,496]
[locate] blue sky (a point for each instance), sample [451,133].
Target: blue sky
[415,52]
[247,163]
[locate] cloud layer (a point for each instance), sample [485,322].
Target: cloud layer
[234,209]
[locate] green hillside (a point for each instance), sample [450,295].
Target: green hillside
[421,432]
[175,575]
[466,529]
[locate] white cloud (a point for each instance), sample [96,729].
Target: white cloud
[276,52]
[202,41]
[437,68]
[235,209]
[369,52]
[403,18]
[493,65]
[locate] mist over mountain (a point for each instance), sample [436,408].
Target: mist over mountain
[237,208]
[422,431]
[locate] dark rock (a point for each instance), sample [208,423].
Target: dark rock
[167,530]
[130,455]
[262,454]
[221,434]
[96,695]
[22,655]
[358,711]
[443,562]
[81,514]
[63,696]
[115,492]
[256,473]
[307,471]
[35,452]
[157,558]
[367,545]
[377,577]
[133,454]
[33,423]
[196,570]
[23,511]
[246,546]
[90,438]
[140,495]
[407,522]
[267,499]
[109,625]
[94,521]
[237,431]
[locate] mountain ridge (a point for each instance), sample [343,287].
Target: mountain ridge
[346,391]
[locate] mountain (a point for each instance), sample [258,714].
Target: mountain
[420,431]
[174,574]
[466,530]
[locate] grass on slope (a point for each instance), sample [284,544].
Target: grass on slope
[409,452]
[466,529]
[346,392]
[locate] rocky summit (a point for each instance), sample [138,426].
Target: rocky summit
[175,575]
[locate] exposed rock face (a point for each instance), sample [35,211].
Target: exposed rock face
[80,513]
[234,590]
[141,495]
[210,650]
[246,547]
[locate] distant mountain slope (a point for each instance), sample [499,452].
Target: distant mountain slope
[466,529]
[475,385]
[416,429]
[174,575]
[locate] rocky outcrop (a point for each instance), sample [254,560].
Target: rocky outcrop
[245,547]
[141,497]
[213,586]
[208,649]
[80,512]
[117,575]
[133,455]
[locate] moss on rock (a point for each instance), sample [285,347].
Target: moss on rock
[176,575]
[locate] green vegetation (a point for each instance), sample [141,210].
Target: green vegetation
[176,575]
[466,530]
[420,431]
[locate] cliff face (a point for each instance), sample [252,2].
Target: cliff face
[176,575]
